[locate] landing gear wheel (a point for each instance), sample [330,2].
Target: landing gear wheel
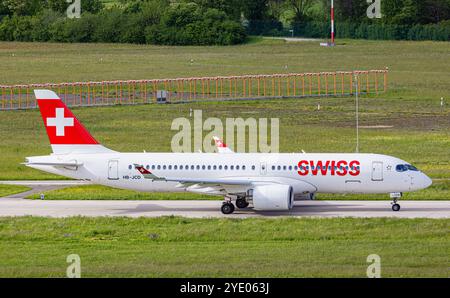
[395,207]
[241,203]
[227,208]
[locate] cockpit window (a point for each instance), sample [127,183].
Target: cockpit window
[406,167]
[411,168]
[401,168]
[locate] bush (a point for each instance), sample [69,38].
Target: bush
[188,24]
[152,21]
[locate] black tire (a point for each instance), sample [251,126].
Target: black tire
[227,208]
[241,203]
[395,207]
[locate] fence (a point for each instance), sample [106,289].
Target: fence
[204,88]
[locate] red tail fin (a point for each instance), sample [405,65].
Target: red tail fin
[65,132]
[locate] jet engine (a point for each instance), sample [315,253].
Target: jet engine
[273,197]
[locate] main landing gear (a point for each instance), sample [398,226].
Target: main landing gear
[241,202]
[228,206]
[395,197]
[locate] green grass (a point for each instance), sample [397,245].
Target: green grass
[417,69]
[6,190]
[440,190]
[179,247]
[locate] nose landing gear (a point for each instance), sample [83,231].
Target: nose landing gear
[395,196]
[395,207]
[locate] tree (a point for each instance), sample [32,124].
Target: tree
[433,11]
[300,8]
[232,8]
[351,10]
[22,7]
[255,9]
[92,6]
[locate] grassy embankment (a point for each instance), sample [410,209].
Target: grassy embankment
[179,247]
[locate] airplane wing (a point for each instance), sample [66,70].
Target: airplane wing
[216,186]
[223,186]
[211,181]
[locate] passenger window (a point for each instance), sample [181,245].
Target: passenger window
[170,167]
[243,167]
[203,167]
[253,167]
[164,167]
[175,167]
[153,167]
[225,167]
[159,167]
[220,167]
[198,167]
[237,167]
[214,167]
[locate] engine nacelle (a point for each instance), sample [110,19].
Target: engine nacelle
[273,197]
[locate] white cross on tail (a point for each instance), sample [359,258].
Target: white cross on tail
[60,122]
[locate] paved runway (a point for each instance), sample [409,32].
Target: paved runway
[13,206]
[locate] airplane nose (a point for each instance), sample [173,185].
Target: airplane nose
[426,181]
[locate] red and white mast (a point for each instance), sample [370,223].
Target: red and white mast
[332,22]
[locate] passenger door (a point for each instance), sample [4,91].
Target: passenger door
[377,171]
[113,170]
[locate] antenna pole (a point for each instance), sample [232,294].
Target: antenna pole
[332,22]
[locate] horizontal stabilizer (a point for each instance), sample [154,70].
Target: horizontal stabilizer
[55,164]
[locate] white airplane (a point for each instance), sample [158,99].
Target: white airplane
[221,146]
[267,181]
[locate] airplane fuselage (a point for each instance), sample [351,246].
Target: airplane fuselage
[306,173]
